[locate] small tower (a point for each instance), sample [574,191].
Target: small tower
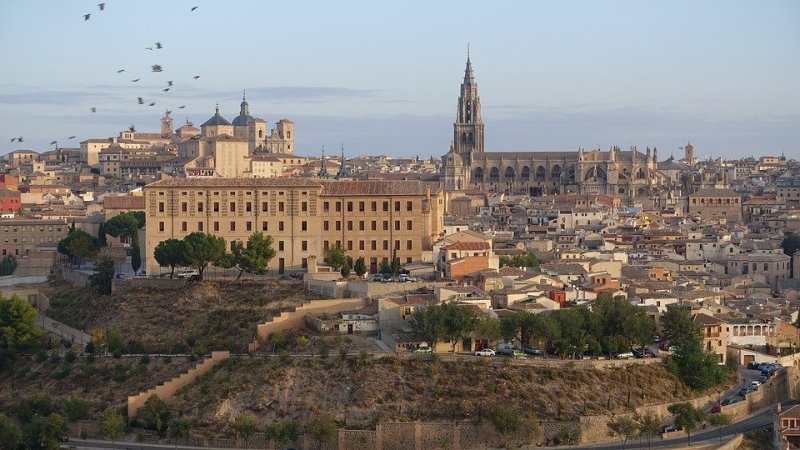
[468,127]
[166,125]
[688,153]
[323,171]
[343,172]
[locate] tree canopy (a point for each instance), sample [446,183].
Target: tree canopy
[698,369]
[18,328]
[79,245]
[335,257]
[360,266]
[527,260]
[203,249]
[103,276]
[172,253]
[433,322]
[686,417]
[252,258]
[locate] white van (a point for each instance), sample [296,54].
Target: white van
[188,273]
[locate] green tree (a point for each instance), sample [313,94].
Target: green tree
[44,431]
[649,426]
[458,321]
[678,326]
[76,408]
[360,267]
[18,328]
[114,340]
[510,325]
[284,432]
[322,429]
[38,404]
[686,417]
[345,271]
[172,253]
[79,245]
[179,429]
[252,258]
[385,267]
[8,265]
[103,276]
[101,235]
[334,257]
[427,324]
[154,415]
[203,249]
[526,260]
[696,368]
[112,424]
[719,420]
[487,328]
[11,436]
[245,426]
[126,225]
[622,427]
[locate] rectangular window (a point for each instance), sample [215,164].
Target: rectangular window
[374,245]
[280,226]
[184,226]
[160,226]
[249,226]
[216,226]
[397,206]
[397,244]
[349,206]
[199,226]
[361,206]
[304,226]
[409,206]
[385,225]
[200,207]
[233,207]
[216,206]
[409,245]
[184,207]
[349,225]
[160,206]
[280,246]
[304,245]
[325,225]
[338,226]
[374,225]
[373,206]
[264,226]
[396,225]
[326,206]
[361,225]
[385,244]
[338,207]
[409,225]
[349,245]
[280,206]
[304,206]
[264,206]
[325,245]
[233,226]
[386,206]
[248,206]
[361,245]
[304,263]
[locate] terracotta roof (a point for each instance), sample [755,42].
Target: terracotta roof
[713,192]
[371,187]
[467,246]
[235,182]
[124,202]
[793,412]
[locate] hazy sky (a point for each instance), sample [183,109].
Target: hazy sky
[383,77]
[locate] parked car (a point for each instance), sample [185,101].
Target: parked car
[729,401]
[387,277]
[188,273]
[755,384]
[485,352]
[663,345]
[752,365]
[715,408]
[656,338]
[532,351]
[120,276]
[763,379]
[626,355]
[423,350]
[505,349]
[404,277]
[377,277]
[517,354]
[670,428]
[745,390]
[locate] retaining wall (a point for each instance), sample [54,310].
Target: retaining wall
[296,319]
[168,389]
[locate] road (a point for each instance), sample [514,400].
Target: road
[754,422]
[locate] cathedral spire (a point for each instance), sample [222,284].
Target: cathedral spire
[342,166]
[323,171]
[469,77]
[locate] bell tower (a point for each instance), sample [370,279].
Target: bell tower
[166,125]
[468,128]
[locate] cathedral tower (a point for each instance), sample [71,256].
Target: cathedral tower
[468,128]
[166,125]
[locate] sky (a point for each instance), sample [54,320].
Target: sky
[383,77]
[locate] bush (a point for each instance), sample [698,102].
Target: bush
[41,356]
[284,432]
[144,360]
[134,347]
[75,409]
[70,356]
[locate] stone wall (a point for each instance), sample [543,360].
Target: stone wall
[79,278]
[296,319]
[168,389]
[326,288]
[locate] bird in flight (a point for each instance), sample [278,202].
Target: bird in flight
[182,106]
[165,89]
[169,83]
[156,68]
[196,77]
[152,104]
[148,48]
[134,81]
[71,137]
[158,45]
[86,17]
[193,8]
[141,101]
[94,109]
[102,6]
[121,70]
[169,112]
[54,143]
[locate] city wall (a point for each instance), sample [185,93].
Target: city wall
[168,389]
[296,319]
[79,278]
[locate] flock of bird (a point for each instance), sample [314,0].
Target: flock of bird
[155,68]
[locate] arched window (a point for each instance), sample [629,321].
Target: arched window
[260,134]
[526,172]
[556,172]
[509,173]
[494,174]
[589,174]
[640,173]
[601,174]
[540,172]
[288,135]
[477,175]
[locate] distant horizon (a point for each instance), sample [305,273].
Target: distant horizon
[721,74]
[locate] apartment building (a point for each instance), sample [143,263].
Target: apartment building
[304,216]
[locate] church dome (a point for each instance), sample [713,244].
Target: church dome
[244,118]
[216,119]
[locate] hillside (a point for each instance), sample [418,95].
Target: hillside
[210,315]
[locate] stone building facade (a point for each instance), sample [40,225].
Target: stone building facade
[374,219]
[713,203]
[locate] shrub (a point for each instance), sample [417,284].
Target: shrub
[75,408]
[144,360]
[41,356]
[134,347]
[70,356]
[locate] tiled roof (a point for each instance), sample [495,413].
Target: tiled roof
[371,187]
[235,182]
[467,246]
[713,192]
[124,202]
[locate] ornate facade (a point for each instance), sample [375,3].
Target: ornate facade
[628,173]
